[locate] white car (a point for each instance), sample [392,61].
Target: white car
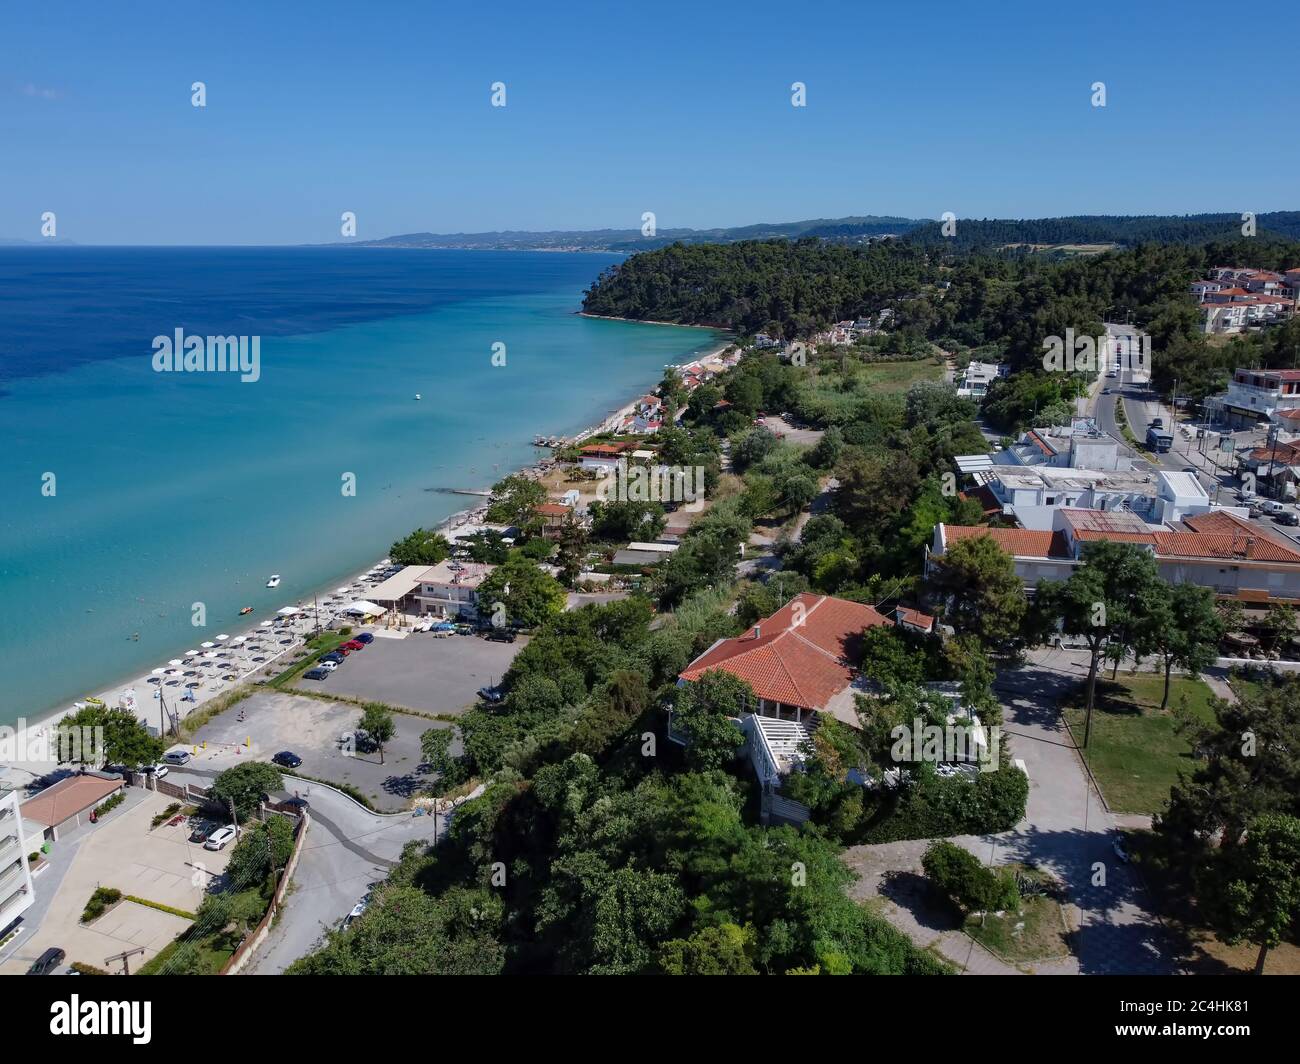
[328,666]
[157,771]
[219,838]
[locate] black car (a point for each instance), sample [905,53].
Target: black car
[47,961]
[333,656]
[286,759]
[365,637]
[501,635]
[1287,517]
[316,674]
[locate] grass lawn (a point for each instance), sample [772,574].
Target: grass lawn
[1036,932]
[899,376]
[1135,752]
[1201,952]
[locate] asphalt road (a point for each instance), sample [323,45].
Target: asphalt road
[348,850]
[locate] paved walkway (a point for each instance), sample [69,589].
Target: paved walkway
[1067,830]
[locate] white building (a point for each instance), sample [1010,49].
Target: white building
[1257,394]
[450,588]
[16,893]
[1080,445]
[977,377]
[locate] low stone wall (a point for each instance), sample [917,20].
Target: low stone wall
[246,948]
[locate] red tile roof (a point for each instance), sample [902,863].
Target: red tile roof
[67,798]
[801,664]
[907,615]
[1018,542]
[552,509]
[1223,545]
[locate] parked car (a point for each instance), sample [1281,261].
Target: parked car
[221,838]
[1120,851]
[333,655]
[328,666]
[201,829]
[1271,506]
[501,635]
[491,695]
[353,644]
[158,771]
[317,673]
[177,757]
[365,637]
[1288,517]
[286,759]
[47,961]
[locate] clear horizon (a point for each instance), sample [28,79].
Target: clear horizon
[684,112]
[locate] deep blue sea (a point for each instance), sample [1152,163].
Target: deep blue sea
[176,488]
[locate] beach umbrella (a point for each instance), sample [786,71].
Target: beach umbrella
[211,655]
[266,624]
[208,645]
[191,653]
[222,638]
[175,661]
[240,639]
[341,590]
[158,672]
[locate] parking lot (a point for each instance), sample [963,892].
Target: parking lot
[310,728]
[123,851]
[421,672]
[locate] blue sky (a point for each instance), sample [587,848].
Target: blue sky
[383,108]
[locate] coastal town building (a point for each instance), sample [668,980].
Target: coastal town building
[603,458]
[69,803]
[1255,395]
[1079,445]
[977,376]
[450,588]
[553,516]
[1234,298]
[1218,550]
[16,892]
[644,553]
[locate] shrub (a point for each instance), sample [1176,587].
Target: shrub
[967,883]
[86,969]
[99,903]
[167,814]
[109,804]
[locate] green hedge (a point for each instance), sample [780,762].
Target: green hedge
[936,807]
[182,913]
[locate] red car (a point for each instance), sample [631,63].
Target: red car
[354,644]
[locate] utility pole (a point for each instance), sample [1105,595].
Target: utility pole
[126,967]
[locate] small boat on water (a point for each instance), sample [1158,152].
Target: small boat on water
[246,609]
[417,395]
[274,581]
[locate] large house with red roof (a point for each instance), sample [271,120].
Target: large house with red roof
[800,661]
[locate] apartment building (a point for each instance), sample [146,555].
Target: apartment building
[16,892]
[1217,550]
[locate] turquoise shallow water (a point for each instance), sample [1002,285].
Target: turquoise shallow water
[181,488]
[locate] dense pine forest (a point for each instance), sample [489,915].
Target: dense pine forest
[956,298]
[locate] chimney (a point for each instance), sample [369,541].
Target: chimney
[757,631]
